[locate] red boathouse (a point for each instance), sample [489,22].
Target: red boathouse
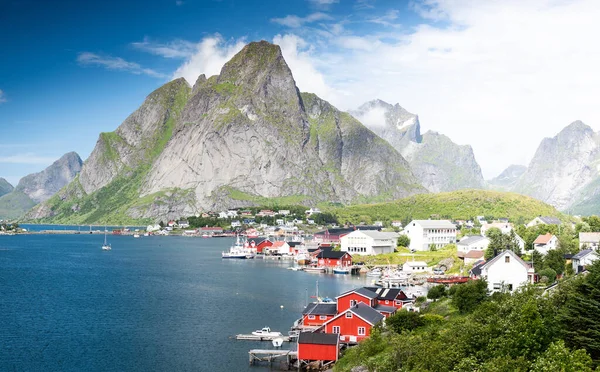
[327,258]
[318,346]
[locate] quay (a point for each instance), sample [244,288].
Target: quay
[259,355]
[262,338]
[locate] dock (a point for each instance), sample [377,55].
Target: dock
[259,355]
[261,338]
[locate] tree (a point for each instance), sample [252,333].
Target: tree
[559,358]
[548,275]
[555,260]
[436,292]
[404,321]
[403,241]
[467,296]
[432,247]
[500,242]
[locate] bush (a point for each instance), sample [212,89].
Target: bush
[467,296]
[404,321]
[403,241]
[436,292]
[547,275]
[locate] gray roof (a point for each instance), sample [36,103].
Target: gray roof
[550,220]
[589,237]
[582,254]
[321,309]
[434,224]
[471,240]
[363,291]
[385,293]
[378,234]
[318,338]
[476,270]
[385,308]
[367,313]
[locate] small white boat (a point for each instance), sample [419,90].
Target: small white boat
[277,342]
[266,332]
[136,235]
[314,269]
[375,273]
[341,270]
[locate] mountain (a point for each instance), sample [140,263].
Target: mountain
[230,141]
[39,187]
[565,172]
[508,178]
[461,204]
[438,163]
[5,187]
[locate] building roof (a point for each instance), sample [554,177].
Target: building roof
[278,244]
[257,241]
[589,237]
[513,254]
[582,254]
[293,244]
[318,338]
[476,269]
[385,308]
[471,254]
[361,291]
[434,224]
[550,220]
[543,239]
[367,313]
[472,239]
[331,254]
[385,293]
[377,234]
[321,309]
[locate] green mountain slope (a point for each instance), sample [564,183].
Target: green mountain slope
[5,187]
[14,205]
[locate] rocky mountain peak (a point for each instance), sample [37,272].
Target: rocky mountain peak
[5,187]
[508,178]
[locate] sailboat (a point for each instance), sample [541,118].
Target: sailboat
[105,246]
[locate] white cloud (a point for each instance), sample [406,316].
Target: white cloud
[498,74]
[173,49]
[2,96]
[374,117]
[116,63]
[295,21]
[28,158]
[323,3]
[387,19]
[208,58]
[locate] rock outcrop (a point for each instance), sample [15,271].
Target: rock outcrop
[438,163]
[231,140]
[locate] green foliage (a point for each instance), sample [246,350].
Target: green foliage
[558,358]
[547,275]
[436,292]
[404,321]
[466,297]
[14,205]
[500,242]
[555,260]
[403,241]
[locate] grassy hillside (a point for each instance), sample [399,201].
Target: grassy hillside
[14,205]
[462,204]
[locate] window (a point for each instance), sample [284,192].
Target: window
[352,303]
[336,329]
[323,317]
[311,317]
[348,314]
[398,302]
[387,302]
[362,331]
[507,259]
[497,286]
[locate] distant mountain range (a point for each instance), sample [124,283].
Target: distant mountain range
[37,187]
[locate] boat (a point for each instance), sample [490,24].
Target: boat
[295,268]
[106,246]
[341,270]
[266,332]
[315,269]
[205,235]
[238,250]
[136,235]
[277,342]
[376,273]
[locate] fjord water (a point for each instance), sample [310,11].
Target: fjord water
[152,303]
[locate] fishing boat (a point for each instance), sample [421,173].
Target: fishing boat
[106,246]
[238,250]
[341,270]
[266,332]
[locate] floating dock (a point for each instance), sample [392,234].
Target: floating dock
[259,355]
[261,338]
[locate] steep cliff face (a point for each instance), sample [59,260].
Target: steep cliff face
[565,169]
[438,163]
[508,179]
[5,187]
[231,140]
[39,187]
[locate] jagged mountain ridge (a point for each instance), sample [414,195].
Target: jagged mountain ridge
[229,141]
[564,171]
[438,163]
[508,178]
[5,187]
[39,187]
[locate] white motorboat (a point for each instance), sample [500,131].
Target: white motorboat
[136,235]
[106,246]
[239,251]
[266,332]
[375,273]
[341,270]
[314,269]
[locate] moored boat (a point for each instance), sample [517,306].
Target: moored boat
[341,270]
[315,269]
[266,332]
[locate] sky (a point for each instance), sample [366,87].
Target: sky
[499,75]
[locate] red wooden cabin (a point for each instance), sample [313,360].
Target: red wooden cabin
[391,296]
[351,298]
[355,323]
[329,258]
[259,243]
[318,346]
[315,314]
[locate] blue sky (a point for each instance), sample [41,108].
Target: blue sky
[72,69]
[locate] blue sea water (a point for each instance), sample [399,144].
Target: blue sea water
[150,304]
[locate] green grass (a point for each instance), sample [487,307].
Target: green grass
[403,255]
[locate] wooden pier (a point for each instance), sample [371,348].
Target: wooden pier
[259,355]
[261,338]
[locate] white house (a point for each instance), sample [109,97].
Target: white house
[583,259]
[152,228]
[520,241]
[312,211]
[235,223]
[506,228]
[414,266]
[505,272]
[397,224]
[223,215]
[545,243]
[545,220]
[378,223]
[589,240]
[423,233]
[368,242]
[473,242]
[283,212]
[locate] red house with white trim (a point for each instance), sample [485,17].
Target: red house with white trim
[260,244]
[318,346]
[315,314]
[355,323]
[390,297]
[328,258]
[355,296]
